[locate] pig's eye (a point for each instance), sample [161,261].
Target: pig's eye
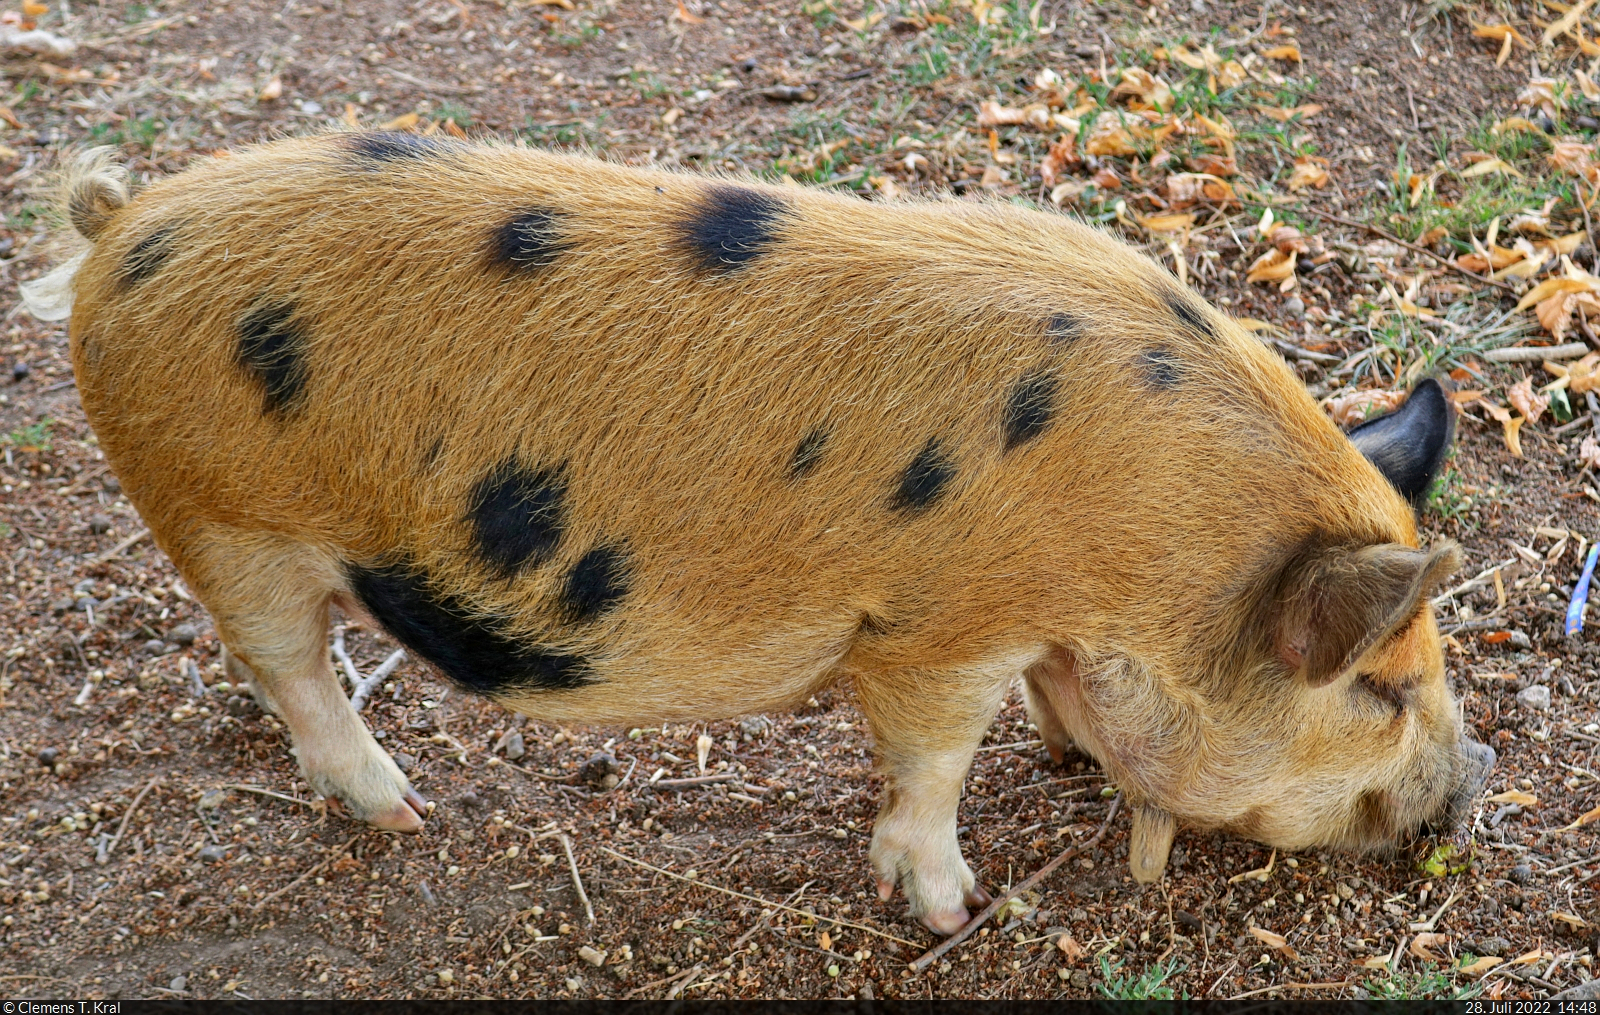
[1390,695]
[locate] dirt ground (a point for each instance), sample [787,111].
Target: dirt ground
[156,842]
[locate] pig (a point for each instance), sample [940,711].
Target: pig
[614,445]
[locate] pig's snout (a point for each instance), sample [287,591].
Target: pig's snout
[1477,760]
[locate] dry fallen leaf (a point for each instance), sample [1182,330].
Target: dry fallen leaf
[1172,223]
[1515,796]
[1276,942]
[1287,51]
[682,14]
[1361,405]
[1213,164]
[1186,189]
[1273,266]
[1526,400]
[1375,962]
[1308,172]
[1147,88]
[1481,966]
[31,9]
[1110,138]
[1575,922]
[992,114]
[1565,22]
[1284,115]
[1071,948]
[1505,34]
[1573,157]
[403,122]
[1422,943]
[1591,816]
[272,90]
[825,941]
[1488,166]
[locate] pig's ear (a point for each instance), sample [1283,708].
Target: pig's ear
[1409,444]
[1339,603]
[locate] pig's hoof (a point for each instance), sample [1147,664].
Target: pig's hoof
[405,816]
[885,890]
[946,923]
[977,898]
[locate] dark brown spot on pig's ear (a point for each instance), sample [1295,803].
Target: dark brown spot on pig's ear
[1191,314]
[273,350]
[1334,604]
[924,480]
[147,256]
[395,146]
[732,226]
[596,584]
[808,453]
[1162,369]
[1029,407]
[1063,328]
[466,647]
[516,516]
[530,240]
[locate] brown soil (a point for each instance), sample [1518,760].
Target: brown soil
[212,890]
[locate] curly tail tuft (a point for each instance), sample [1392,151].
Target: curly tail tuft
[96,187]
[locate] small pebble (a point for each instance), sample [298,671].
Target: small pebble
[19,371]
[599,773]
[184,634]
[100,524]
[240,706]
[179,983]
[112,484]
[85,604]
[404,761]
[1522,874]
[213,853]
[1536,697]
[154,646]
[515,747]
[426,892]
[47,757]
[1588,123]
[1294,306]
[592,955]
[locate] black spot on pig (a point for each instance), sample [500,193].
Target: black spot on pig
[147,256]
[273,350]
[596,584]
[923,480]
[469,649]
[1192,316]
[1162,370]
[1029,407]
[529,241]
[733,226]
[395,146]
[516,516]
[808,453]
[1063,328]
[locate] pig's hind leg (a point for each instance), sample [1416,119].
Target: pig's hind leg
[926,726]
[269,597]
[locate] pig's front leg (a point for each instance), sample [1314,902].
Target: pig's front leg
[927,726]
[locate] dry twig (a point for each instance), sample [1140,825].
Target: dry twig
[932,955]
[756,898]
[128,814]
[330,858]
[366,685]
[1392,238]
[577,882]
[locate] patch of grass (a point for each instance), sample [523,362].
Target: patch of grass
[27,216]
[33,437]
[135,13]
[1447,499]
[451,111]
[575,133]
[1149,985]
[1430,984]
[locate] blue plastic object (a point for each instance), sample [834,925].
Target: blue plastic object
[1580,594]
